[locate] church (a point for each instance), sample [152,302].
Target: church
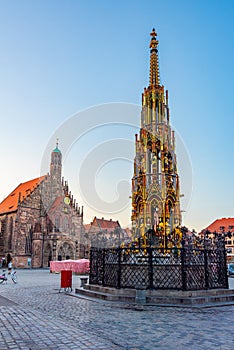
[40,221]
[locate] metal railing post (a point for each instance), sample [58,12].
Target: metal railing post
[119,269]
[151,273]
[206,269]
[225,265]
[91,266]
[183,267]
[103,266]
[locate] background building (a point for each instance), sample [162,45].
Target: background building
[40,221]
[224,226]
[107,233]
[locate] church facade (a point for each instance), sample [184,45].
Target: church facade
[155,182]
[40,221]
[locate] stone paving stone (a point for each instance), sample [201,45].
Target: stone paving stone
[53,320]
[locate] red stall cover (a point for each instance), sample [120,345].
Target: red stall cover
[79,266]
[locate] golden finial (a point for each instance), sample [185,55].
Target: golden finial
[154,41]
[154,66]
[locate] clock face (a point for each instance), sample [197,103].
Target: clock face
[67,200]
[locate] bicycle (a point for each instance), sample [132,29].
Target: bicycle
[3,277]
[13,277]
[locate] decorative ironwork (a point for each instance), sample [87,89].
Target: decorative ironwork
[195,265]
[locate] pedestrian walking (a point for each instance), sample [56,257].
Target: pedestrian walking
[9,267]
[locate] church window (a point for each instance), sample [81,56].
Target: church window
[28,241]
[3,223]
[65,224]
[57,224]
[3,226]
[37,227]
[49,226]
[10,234]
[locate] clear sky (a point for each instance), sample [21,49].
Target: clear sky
[60,57]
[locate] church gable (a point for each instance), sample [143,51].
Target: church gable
[59,215]
[24,190]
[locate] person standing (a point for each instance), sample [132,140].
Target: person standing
[9,267]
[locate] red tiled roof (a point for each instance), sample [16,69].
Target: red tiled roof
[220,225]
[106,224]
[10,203]
[103,224]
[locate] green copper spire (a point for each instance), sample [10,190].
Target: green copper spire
[57,150]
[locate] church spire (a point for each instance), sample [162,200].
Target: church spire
[56,164]
[154,66]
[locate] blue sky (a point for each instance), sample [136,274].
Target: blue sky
[60,57]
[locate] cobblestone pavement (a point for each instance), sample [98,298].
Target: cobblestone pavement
[34,315]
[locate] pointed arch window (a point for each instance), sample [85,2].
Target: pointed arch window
[57,224]
[28,241]
[10,234]
[65,224]
[2,233]
[3,226]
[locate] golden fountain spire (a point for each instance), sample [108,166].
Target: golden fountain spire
[155,182]
[154,66]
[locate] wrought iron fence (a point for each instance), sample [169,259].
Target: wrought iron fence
[185,268]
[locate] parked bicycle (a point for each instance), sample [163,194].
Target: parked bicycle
[13,277]
[3,277]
